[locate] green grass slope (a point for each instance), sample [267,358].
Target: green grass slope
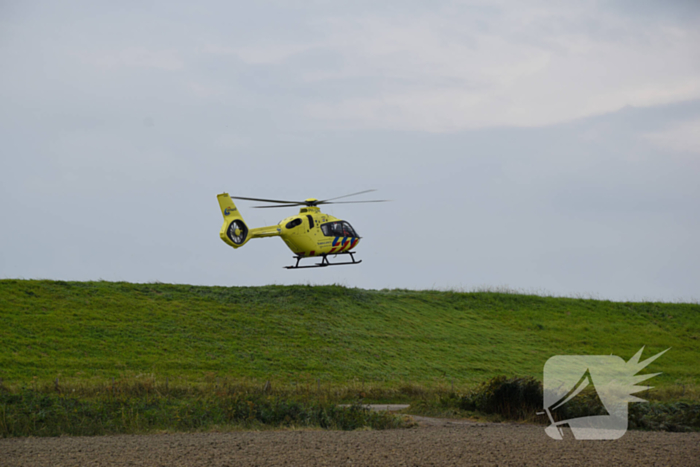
[99,330]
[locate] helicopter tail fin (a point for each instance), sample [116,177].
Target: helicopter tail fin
[234,231]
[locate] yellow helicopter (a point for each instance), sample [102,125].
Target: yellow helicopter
[310,233]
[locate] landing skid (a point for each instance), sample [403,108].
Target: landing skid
[324,261]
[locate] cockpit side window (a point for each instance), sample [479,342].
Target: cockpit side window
[293,223]
[330,229]
[338,229]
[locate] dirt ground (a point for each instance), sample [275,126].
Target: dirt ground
[433,442]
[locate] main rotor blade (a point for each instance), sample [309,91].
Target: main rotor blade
[281,206]
[265,200]
[345,196]
[354,202]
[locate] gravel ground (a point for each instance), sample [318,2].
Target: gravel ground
[434,442]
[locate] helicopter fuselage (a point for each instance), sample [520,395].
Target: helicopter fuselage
[313,233]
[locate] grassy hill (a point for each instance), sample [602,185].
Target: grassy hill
[100,330]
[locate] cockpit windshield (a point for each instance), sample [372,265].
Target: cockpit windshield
[338,229]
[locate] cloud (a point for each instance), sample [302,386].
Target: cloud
[136,57]
[682,138]
[447,67]
[258,54]
[515,68]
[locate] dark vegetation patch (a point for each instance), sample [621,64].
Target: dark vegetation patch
[32,413]
[521,399]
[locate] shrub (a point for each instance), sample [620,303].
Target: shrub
[511,398]
[522,398]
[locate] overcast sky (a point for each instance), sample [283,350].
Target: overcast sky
[544,146]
